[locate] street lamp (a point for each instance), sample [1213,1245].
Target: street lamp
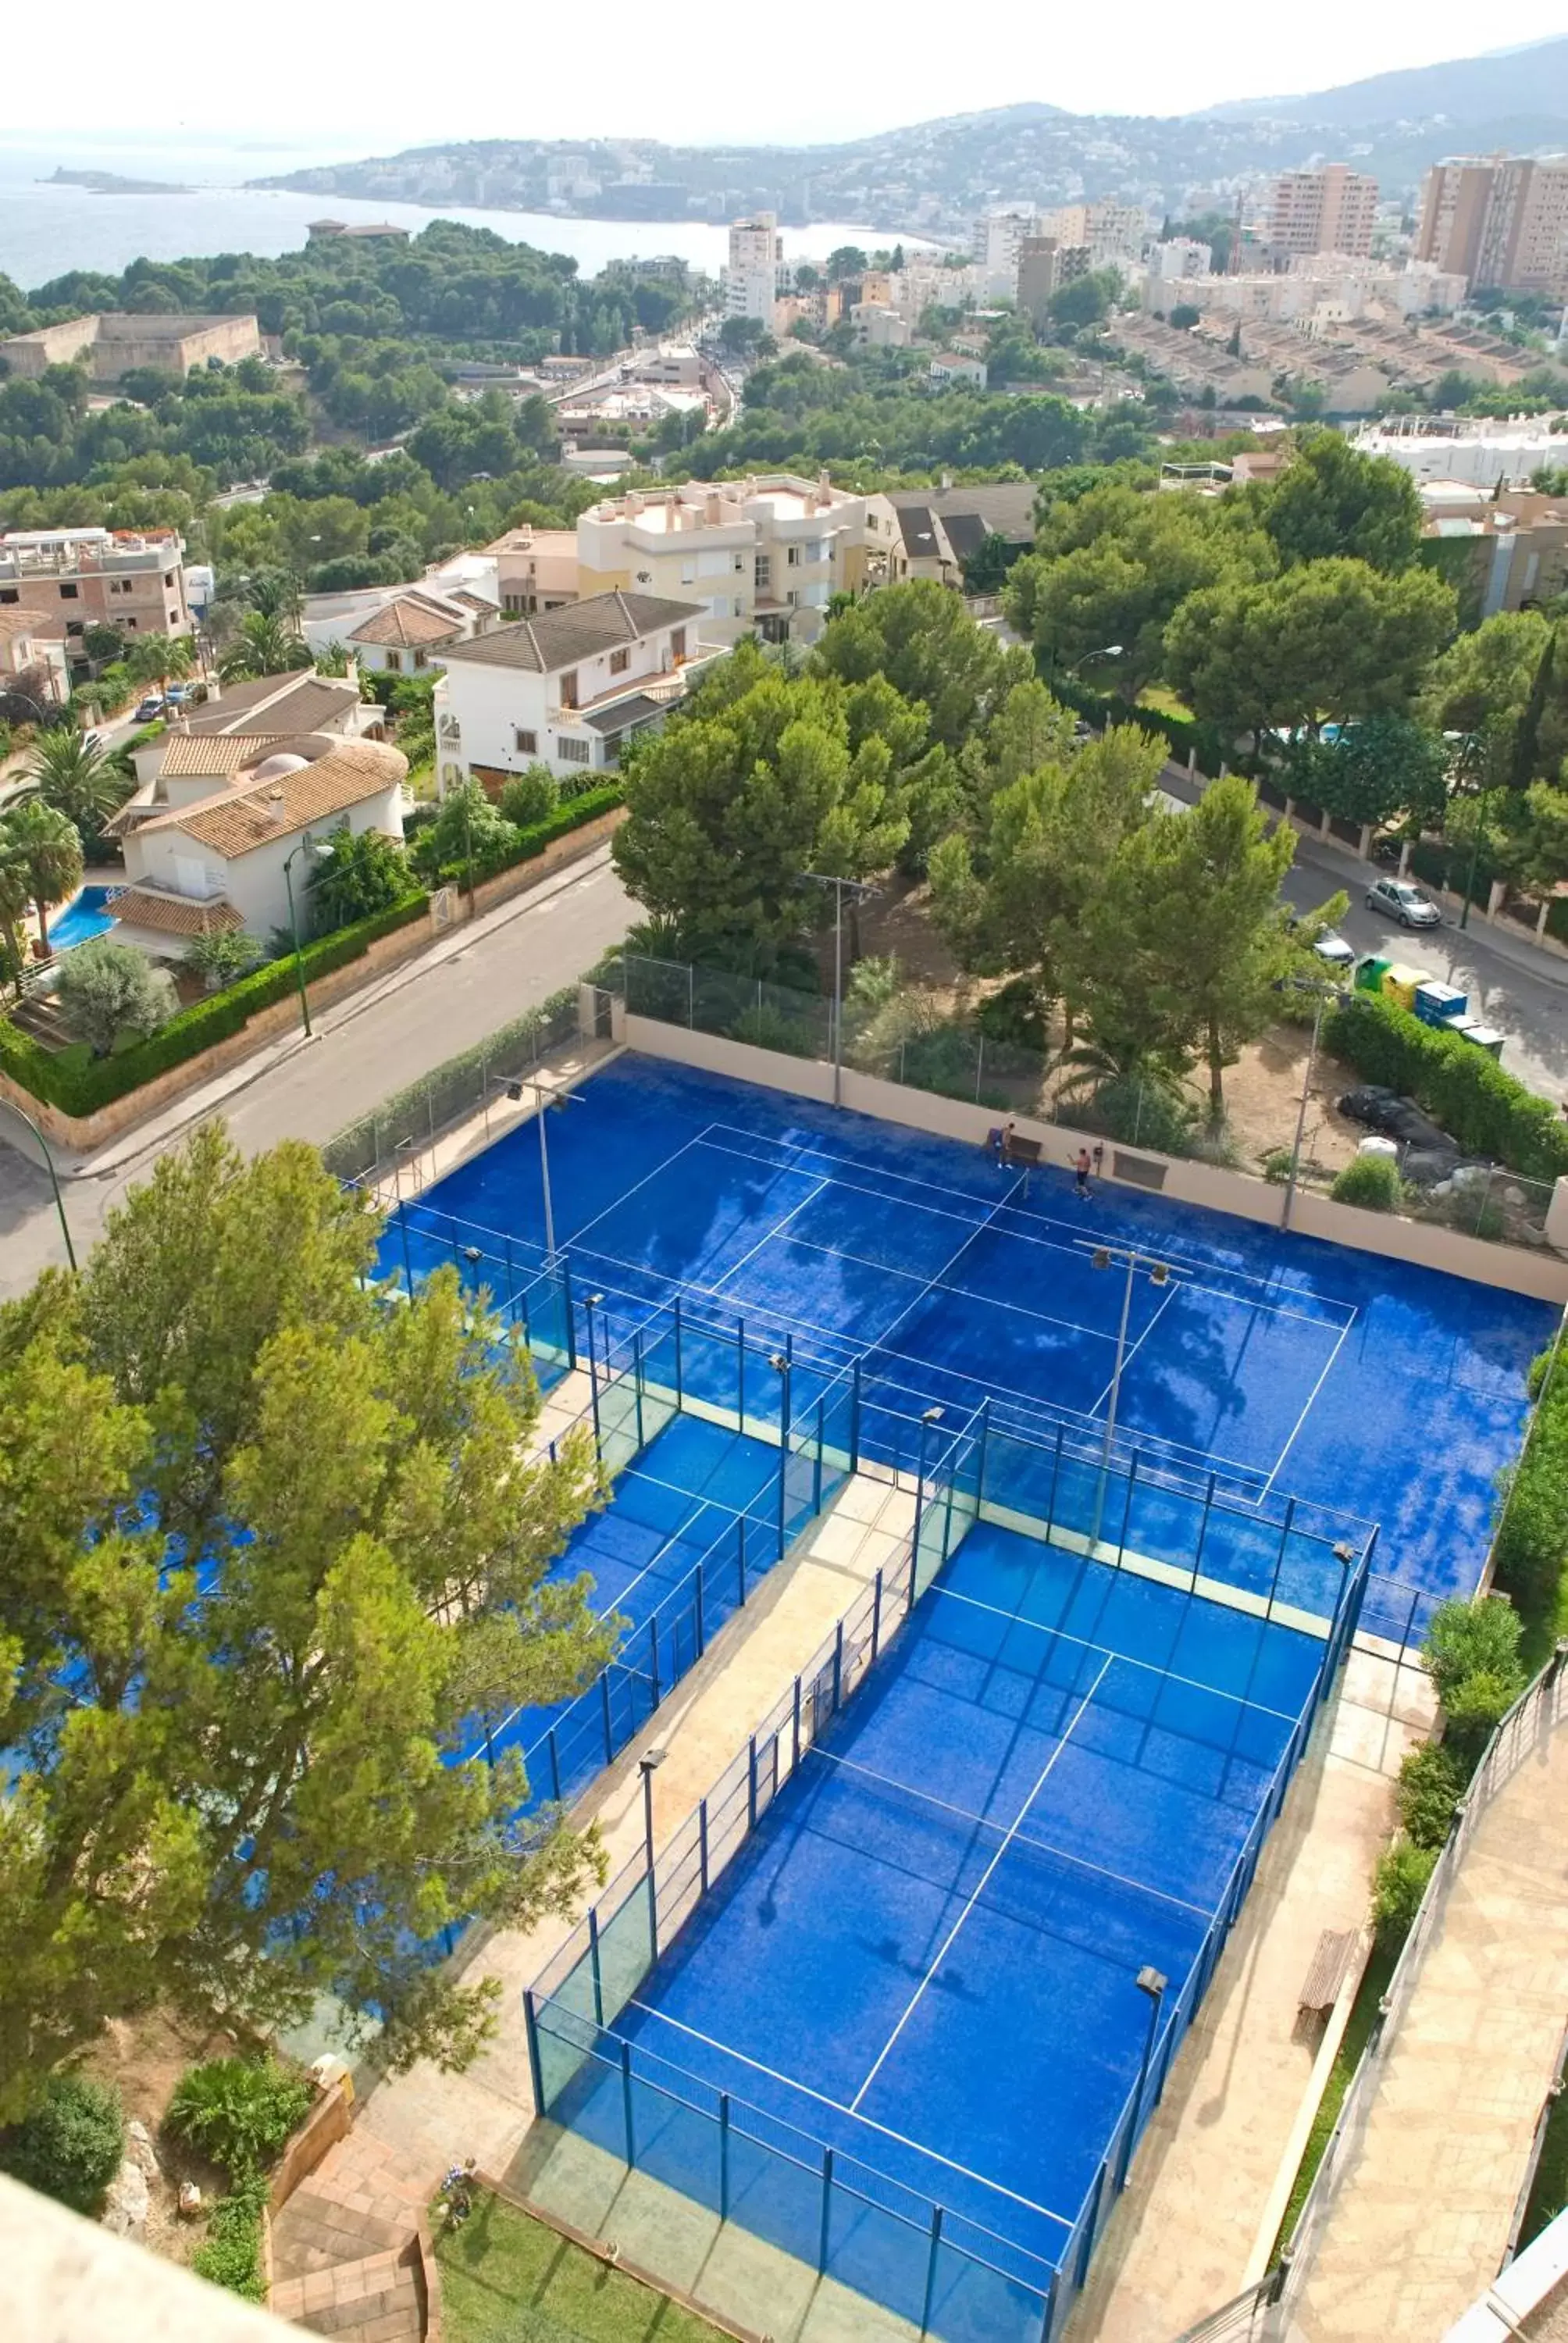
[861,893]
[307,845]
[54,1176]
[544,1099]
[1110,1257]
[1154,1982]
[782,1365]
[1325,994]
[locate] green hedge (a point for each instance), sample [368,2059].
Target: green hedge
[573,813]
[1180,732]
[78,1083]
[1530,1551]
[1482,1108]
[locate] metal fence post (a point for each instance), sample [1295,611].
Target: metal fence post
[1127,1508]
[566,1306]
[876,1616]
[740,1554]
[740,1374]
[826,2210]
[724,2155]
[701,1636]
[679,1386]
[932,2254]
[855,1416]
[408,1261]
[795,1731]
[1203,1534]
[594,1965]
[554,1748]
[536,2066]
[637,1383]
[751,1782]
[626,2104]
[604,1702]
[1279,1557]
[1055,1477]
[653,1655]
[838,1667]
[702,1842]
[817,1473]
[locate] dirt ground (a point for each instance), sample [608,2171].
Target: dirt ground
[143,2059]
[1263,1089]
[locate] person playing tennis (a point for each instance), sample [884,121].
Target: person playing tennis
[1081,1175]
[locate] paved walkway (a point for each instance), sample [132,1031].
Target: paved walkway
[1421,2221]
[1209,2183]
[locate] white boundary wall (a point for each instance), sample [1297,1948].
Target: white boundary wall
[1543,1275]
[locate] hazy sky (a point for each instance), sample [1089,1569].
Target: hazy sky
[404,73]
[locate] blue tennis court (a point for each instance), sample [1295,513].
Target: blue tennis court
[925,1957]
[1278,1365]
[692,1525]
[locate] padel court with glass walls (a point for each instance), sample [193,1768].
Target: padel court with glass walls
[899,2000]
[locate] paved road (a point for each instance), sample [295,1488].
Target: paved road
[366,1048]
[1531,1008]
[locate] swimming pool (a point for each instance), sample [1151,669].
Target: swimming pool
[87,914]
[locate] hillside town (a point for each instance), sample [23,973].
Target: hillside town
[784,1177]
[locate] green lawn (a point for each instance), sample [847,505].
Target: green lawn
[1357,2033]
[507,2278]
[1164,702]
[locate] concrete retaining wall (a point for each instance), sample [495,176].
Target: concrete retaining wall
[1543,1274]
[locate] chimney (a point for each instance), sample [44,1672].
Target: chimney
[824,488]
[710,508]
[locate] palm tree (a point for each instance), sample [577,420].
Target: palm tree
[76,777]
[158,658]
[263,645]
[45,845]
[16,894]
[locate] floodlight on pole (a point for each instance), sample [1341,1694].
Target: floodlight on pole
[861,893]
[1102,1256]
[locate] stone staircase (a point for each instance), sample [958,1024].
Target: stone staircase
[346,2252]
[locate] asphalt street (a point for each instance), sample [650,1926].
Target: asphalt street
[368,1046]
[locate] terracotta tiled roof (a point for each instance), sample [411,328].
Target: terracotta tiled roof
[237,821]
[22,622]
[205,753]
[174,915]
[559,639]
[406,623]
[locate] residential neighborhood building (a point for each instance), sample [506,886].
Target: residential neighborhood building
[1039,275]
[940,529]
[269,710]
[1109,233]
[995,244]
[1329,209]
[1178,256]
[33,664]
[1500,221]
[536,570]
[566,689]
[761,555]
[1323,290]
[951,368]
[211,854]
[879,327]
[1478,451]
[112,342]
[1516,540]
[751,276]
[74,579]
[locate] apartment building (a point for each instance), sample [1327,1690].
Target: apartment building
[74,579]
[1109,233]
[1516,539]
[1319,290]
[567,688]
[751,276]
[763,554]
[1330,209]
[1499,221]
[1178,255]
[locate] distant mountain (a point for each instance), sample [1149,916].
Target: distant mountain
[933,177]
[1531,81]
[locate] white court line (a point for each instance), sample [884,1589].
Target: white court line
[777,1230]
[790,2083]
[1160,1309]
[934,1284]
[1311,1399]
[1040,1846]
[1149,1667]
[826,1155]
[576,1235]
[947,1941]
[969,1293]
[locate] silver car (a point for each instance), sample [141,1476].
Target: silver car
[1396,898]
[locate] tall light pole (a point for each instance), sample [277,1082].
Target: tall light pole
[648,1765]
[1152,1982]
[545,1097]
[1325,994]
[1130,1258]
[782,1363]
[43,1149]
[861,892]
[306,846]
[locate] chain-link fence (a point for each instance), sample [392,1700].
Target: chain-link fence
[904,1039]
[403,1125]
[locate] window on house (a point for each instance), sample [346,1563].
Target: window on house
[619,661]
[569,687]
[764,572]
[131,625]
[794,557]
[421,659]
[70,593]
[74,626]
[612,748]
[394,663]
[575,752]
[678,647]
[10,594]
[526,744]
[169,578]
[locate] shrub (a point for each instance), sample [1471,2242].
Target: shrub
[1398,1887]
[1472,1654]
[1372,1181]
[1531,1544]
[1015,1014]
[1430,1784]
[1277,1166]
[1141,1114]
[532,797]
[70,2145]
[239,2111]
[1462,1088]
[108,990]
[230,2254]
